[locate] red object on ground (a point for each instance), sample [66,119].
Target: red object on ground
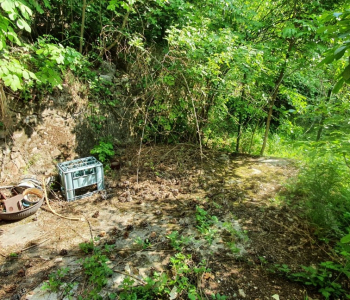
[13,204]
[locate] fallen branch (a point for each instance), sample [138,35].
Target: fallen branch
[129,275]
[87,220]
[33,246]
[300,232]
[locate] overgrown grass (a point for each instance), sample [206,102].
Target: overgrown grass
[323,189]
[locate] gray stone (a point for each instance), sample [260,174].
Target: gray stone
[108,78]
[242,293]
[107,68]
[55,153]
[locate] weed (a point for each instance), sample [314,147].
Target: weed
[218,297]
[263,260]
[13,255]
[205,224]
[56,283]
[181,284]
[324,190]
[178,242]
[283,268]
[238,234]
[144,244]
[234,237]
[326,276]
[87,247]
[233,247]
[104,150]
[323,277]
[55,280]
[96,269]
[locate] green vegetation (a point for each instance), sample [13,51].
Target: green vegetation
[205,224]
[250,77]
[178,242]
[57,283]
[104,150]
[182,281]
[326,276]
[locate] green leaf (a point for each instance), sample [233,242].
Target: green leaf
[25,74]
[13,82]
[191,296]
[321,29]
[340,52]
[25,10]
[20,24]
[23,24]
[8,5]
[345,239]
[326,60]
[60,59]
[338,86]
[13,16]
[2,43]
[346,73]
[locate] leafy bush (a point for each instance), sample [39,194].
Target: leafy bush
[104,150]
[324,187]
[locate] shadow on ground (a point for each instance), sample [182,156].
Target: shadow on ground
[156,194]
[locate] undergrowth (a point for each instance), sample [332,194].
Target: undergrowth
[321,194]
[329,277]
[180,280]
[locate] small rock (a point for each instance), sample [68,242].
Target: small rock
[63,252]
[102,234]
[55,153]
[58,259]
[242,293]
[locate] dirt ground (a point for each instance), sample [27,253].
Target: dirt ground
[151,195]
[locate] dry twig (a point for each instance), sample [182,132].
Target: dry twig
[33,246]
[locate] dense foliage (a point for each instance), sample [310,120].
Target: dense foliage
[247,76]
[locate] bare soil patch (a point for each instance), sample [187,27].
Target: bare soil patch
[149,197]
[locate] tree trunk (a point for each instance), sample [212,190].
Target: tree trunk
[252,137]
[239,132]
[274,96]
[82,27]
[320,129]
[323,117]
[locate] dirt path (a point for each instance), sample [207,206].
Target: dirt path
[253,228]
